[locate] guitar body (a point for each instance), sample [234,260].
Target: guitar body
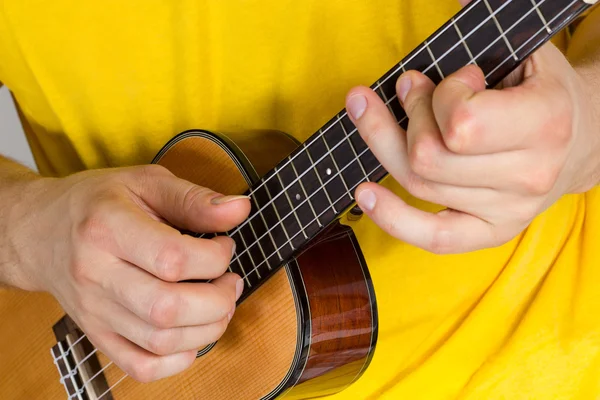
[308,331]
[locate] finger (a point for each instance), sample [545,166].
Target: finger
[138,363]
[169,305]
[190,206]
[379,130]
[477,121]
[446,232]
[423,135]
[163,341]
[130,234]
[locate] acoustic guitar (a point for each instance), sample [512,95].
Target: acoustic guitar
[306,324]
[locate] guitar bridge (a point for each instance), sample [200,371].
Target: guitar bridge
[75,358]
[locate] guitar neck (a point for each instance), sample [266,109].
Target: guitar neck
[311,188]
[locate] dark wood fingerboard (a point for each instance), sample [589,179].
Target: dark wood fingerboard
[315,184]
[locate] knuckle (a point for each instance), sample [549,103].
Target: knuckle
[170,261]
[94,228]
[540,182]
[422,157]
[461,130]
[416,102]
[152,170]
[561,125]
[165,310]
[440,242]
[79,272]
[163,341]
[524,212]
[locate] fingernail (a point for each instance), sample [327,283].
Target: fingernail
[239,288]
[357,105]
[404,87]
[233,250]
[227,199]
[366,200]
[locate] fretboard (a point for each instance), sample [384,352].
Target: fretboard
[311,188]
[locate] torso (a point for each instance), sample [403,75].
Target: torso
[107,84]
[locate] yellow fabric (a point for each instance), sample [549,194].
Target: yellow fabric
[107,83]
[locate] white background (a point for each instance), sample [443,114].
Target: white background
[12,139]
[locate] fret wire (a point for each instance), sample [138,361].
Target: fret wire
[383,96]
[487,4]
[533,36]
[305,195]
[499,66]
[360,163]
[259,245]
[272,203]
[321,132]
[464,42]
[249,252]
[483,51]
[311,195]
[287,196]
[542,18]
[266,225]
[434,60]
[313,165]
[336,164]
[237,259]
[373,171]
[401,66]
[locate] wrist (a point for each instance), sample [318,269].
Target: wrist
[18,217]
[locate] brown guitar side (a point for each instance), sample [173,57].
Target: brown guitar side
[308,331]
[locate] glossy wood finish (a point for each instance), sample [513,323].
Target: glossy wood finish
[343,313]
[26,336]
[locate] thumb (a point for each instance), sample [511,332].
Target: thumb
[189,206]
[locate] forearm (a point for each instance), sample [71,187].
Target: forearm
[15,180]
[584,54]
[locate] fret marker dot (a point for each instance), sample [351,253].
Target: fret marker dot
[328,171]
[298,197]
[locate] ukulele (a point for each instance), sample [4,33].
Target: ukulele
[306,324]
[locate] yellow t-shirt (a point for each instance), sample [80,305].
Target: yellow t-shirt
[107,83]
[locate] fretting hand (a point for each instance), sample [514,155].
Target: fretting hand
[102,244]
[495,158]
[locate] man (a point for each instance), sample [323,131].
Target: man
[106,84]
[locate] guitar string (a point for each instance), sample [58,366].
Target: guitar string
[381,82]
[488,75]
[257,241]
[344,113]
[387,103]
[469,7]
